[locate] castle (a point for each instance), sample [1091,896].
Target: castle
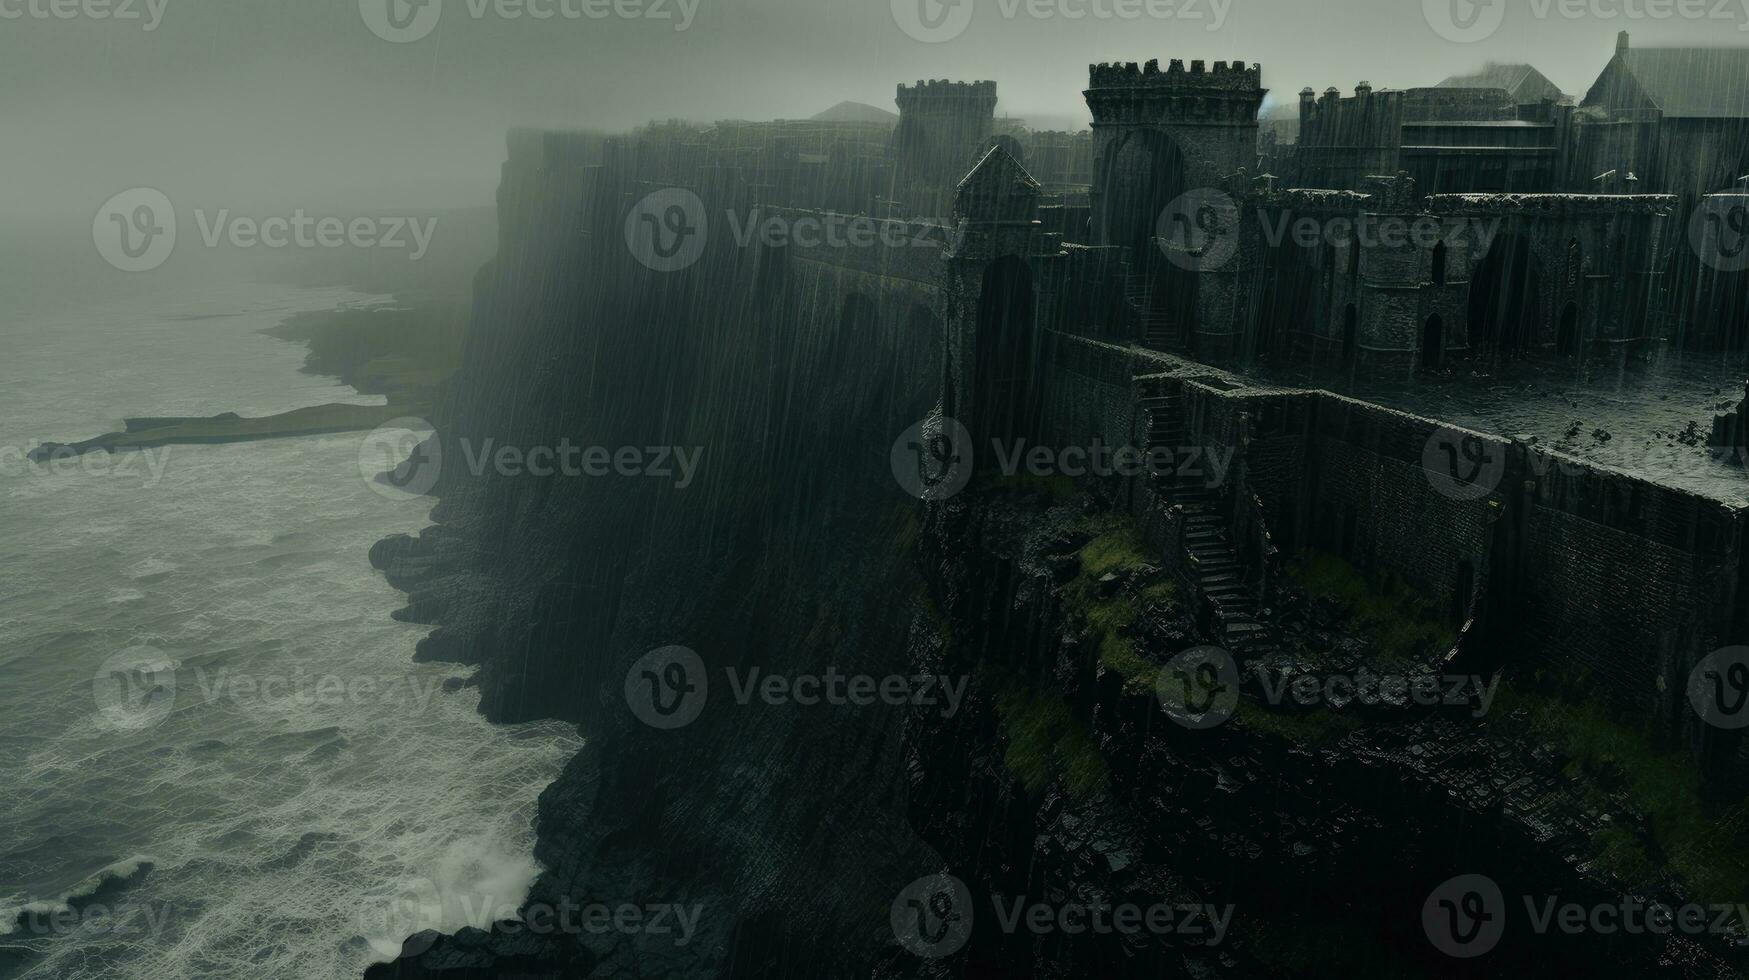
[1069,287]
[1542,228]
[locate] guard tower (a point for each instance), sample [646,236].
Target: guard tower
[1158,134]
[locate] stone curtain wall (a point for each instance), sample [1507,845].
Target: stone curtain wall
[1374,505]
[1614,584]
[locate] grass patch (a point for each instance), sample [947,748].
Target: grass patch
[1403,626]
[1045,741]
[1058,489]
[1701,843]
[1304,727]
[1116,547]
[905,533]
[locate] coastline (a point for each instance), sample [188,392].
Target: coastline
[405,352]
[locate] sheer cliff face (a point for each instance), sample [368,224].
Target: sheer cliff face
[787,549]
[775,553]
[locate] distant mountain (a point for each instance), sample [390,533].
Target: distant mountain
[857,112]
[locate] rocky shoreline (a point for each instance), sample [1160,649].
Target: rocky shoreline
[405,354]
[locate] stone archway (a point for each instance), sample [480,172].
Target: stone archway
[1006,380]
[1350,335]
[1567,338]
[1432,343]
[1139,176]
[1506,298]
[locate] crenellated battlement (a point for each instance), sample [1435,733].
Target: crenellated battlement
[1234,76]
[1553,205]
[944,91]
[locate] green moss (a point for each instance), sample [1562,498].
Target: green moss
[1058,489]
[1702,843]
[1119,654]
[906,532]
[1403,626]
[1116,547]
[1623,855]
[1045,741]
[1309,727]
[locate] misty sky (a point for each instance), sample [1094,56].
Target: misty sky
[259,104]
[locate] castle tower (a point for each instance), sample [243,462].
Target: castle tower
[943,128]
[1158,134]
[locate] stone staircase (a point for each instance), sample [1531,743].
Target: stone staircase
[1157,329]
[1214,563]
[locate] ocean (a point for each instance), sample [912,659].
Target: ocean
[217,756]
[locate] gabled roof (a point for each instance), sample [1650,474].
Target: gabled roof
[1523,82]
[1683,82]
[998,167]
